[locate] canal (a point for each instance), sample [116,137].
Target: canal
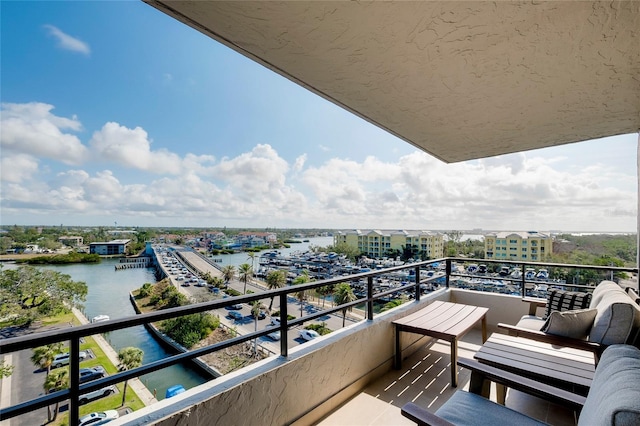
[109,295]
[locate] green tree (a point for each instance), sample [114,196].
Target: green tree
[301,279]
[275,279]
[190,329]
[324,291]
[43,356]
[252,258]
[27,293]
[145,290]
[129,358]
[58,380]
[228,273]
[5,369]
[245,272]
[344,294]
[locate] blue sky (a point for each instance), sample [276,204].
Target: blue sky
[115,112]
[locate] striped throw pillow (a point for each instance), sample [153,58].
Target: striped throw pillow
[560,300]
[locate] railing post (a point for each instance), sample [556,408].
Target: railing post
[284,346]
[370,298]
[417,283]
[523,279]
[448,272]
[74,380]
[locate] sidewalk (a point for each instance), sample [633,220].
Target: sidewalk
[135,384]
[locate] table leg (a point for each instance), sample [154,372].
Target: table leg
[484,328]
[454,363]
[479,385]
[501,393]
[397,363]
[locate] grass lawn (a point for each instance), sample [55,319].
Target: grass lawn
[111,402]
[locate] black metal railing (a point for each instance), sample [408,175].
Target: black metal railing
[74,335]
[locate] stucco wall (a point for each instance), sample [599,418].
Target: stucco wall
[313,380]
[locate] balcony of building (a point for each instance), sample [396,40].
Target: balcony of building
[345,377]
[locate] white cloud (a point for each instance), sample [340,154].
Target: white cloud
[260,188]
[132,148]
[67,42]
[299,163]
[16,168]
[32,129]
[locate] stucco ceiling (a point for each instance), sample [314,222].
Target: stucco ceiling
[460,80]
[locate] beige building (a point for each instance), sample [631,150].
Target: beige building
[377,243]
[530,245]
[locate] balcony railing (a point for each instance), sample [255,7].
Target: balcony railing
[415,288]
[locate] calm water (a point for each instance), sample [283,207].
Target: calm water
[240,258]
[109,294]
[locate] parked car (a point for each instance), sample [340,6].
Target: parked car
[235,315]
[308,334]
[63,359]
[89,374]
[274,336]
[275,321]
[235,307]
[98,418]
[96,394]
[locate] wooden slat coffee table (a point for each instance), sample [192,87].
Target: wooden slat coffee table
[442,320]
[568,368]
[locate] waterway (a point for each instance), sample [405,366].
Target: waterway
[109,294]
[240,258]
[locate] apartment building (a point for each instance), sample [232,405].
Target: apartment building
[530,245]
[377,243]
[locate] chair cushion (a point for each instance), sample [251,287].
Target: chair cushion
[575,324]
[617,316]
[466,408]
[560,300]
[601,289]
[614,397]
[531,322]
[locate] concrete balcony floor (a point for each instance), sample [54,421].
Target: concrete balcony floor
[425,380]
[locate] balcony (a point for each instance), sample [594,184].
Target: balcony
[324,381]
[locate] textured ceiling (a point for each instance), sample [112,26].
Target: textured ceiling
[459,80]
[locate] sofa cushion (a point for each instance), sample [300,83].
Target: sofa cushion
[575,324]
[465,408]
[614,396]
[601,289]
[617,316]
[560,300]
[531,322]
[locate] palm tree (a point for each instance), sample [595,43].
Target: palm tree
[252,258]
[256,308]
[344,294]
[56,381]
[275,279]
[228,273]
[324,291]
[43,355]
[302,279]
[129,358]
[245,272]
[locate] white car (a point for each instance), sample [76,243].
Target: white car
[98,418]
[96,394]
[308,334]
[63,359]
[274,336]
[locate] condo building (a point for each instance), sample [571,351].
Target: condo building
[530,245]
[377,243]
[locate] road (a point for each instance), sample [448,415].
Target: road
[247,324]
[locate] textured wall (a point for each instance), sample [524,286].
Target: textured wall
[459,79]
